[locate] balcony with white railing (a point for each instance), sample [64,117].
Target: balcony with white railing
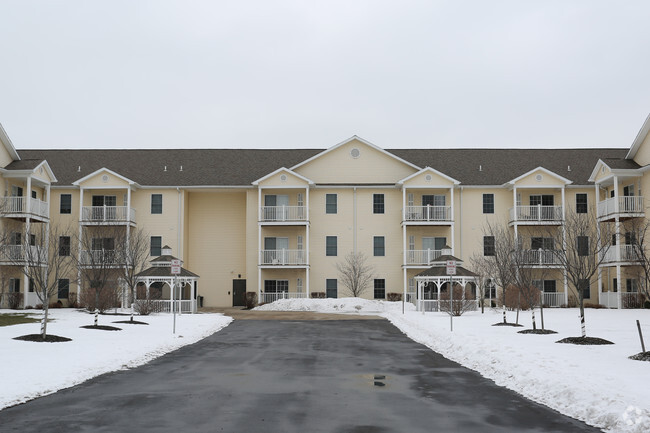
[539,257]
[22,255]
[283,214]
[102,258]
[553,299]
[427,214]
[23,207]
[283,258]
[266,297]
[537,214]
[629,253]
[107,215]
[629,206]
[421,257]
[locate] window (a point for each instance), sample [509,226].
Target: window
[32,240]
[276,286]
[32,285]
[330,203]
[156,246]
[583,246]
[65,206]
[628,191]
[64,288]
[547,286]
[378,246]
[542,199]
[614,285]
[64,245]
[581,203]
[378,203]
[14,285]
[156,203]
[488,246]
[380,289]
[631,285]
[331,245]
[583,286]
[488,203]
[541,243]
[331,288]
[630,238]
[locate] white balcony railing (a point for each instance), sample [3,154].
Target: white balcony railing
[628,254]
[22,253]
[24,205]
[283,257]
[539,257]
[536,213]
[553,299]
[102,258]
[422,257]
[165,306]
[283,213]
[628,299]
[265,298]
[427,213]
[626,205]
[107,214]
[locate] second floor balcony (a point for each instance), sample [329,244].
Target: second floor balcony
[539,257]
[107,215]
[628,253]
[22,255]
[628,207]
[283,214]
[536,214]
[102,258]
[283,257]
[421,257]
[23,207]
[427,214]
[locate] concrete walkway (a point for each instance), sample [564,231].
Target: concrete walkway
[291,375]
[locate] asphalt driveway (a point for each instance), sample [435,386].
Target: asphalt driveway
[291,376]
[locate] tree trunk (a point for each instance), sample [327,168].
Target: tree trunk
[96,306]
[583,328]
[44,321]
[534,324]
[518,307]
[541,312]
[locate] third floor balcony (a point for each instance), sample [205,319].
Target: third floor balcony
[107,215]
[536,214]
[283,214]
[23,207]
[628,207]
[427,214]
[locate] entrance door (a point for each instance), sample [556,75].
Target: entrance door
[238,293]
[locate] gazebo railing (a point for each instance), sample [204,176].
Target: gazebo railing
[165,305]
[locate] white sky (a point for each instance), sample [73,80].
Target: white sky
[288,74]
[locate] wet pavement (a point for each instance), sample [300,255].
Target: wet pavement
[291,376]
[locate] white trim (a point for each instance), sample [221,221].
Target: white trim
[361,140]
[432,170]
[545,170]
[639,139]
[103,169]
[286,170]
[6,142]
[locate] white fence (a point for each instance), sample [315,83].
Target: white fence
[283,257]
[24,205]
[21,253]
[539,257]
[283,213]
[422,257]
[628,254]
[165,306]
[536,213]
[109,214]
[628,299]
[427,213]
[265,298]
[553,299]
[629,204]
[431,305]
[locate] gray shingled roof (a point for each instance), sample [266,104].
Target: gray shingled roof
[223,167]
[24,164]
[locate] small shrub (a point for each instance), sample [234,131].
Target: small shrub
[108,299]
[594,306]
[393,297]
[318,295]
[251,300]
[146,305]
[646,304]
[633,301]
[14,300]
[57,304]
[72,300]
[38,306]
[513,299]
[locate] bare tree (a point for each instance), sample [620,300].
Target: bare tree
[355,274]
[459,304]
[99,263]
[638,236]
[498,262]
[529,267]
[135,250]
[481,266]
[584,245]
[45,260]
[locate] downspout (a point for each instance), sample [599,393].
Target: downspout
[354,222]
[178,240]
[460,222]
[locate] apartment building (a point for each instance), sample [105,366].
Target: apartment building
[277,222]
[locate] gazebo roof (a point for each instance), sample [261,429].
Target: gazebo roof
[441,271]
[165,271]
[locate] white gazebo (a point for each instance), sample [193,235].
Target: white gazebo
[160,273]
[433,281]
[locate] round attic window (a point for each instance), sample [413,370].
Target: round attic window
[105,178]
[40,170]
[355,153]
[283,178]
[539,178]
[428,178]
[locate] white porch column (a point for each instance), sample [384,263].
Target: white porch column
[193,296]
[600,271]
[405,286]
[81,202]
[453,240]
[514,207]
[259,243]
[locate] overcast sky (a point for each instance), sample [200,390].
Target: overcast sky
[289,74]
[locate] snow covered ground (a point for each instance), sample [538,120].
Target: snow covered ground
[36,369]
[597,384]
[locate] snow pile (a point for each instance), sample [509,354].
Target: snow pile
[44,368]
[340,305]
[596,384]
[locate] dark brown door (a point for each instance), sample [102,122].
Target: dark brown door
[238,293]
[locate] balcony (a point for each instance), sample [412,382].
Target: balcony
[421,257]
[553,299]
[628,254]
[283,214]
[107,215]
[23,207]
[628,207]
[427,214]
[539,257]
[283,258]
[266,297]
[102,258]
[22,255]
[537,214]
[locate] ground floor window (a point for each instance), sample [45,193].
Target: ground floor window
[276,286]
[14,285]
[584,287]
[331,288]
[631,285]
[380,289]
[64,288]
[547,286]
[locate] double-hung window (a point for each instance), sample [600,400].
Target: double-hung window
[380,289]
[156,246]
[581,203]
[331,245]
[378,203]
[331,203]
[156,203]
[66,204]
[379,248]
[488,203]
